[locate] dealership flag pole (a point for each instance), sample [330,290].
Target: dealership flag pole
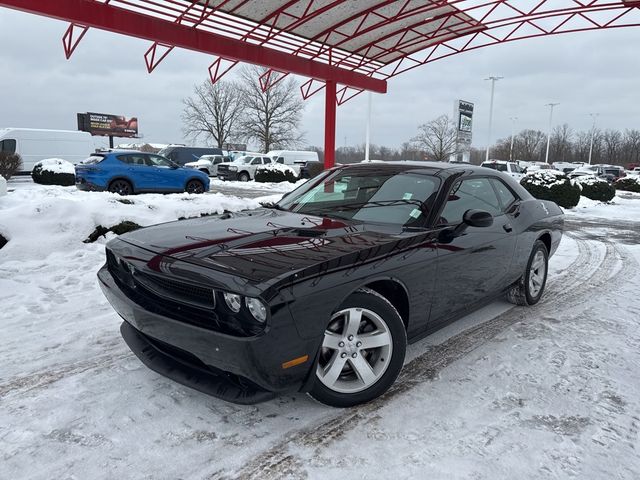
[513,131]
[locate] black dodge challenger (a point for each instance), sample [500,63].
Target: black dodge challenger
[321,291]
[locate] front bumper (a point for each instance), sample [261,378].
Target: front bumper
[225,175]
[236,369]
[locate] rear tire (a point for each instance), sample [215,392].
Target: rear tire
[529,289]
[244,177]
[362,352]
[194,186]
[121,187]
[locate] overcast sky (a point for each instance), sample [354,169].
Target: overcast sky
[586,72]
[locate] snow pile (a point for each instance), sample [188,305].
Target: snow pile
[41,220]
[56,165]
[624,206]
[546,178]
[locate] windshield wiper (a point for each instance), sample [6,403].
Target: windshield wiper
[273,205]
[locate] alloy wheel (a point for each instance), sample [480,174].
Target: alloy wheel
[356,351]
[537,274]
[121,187]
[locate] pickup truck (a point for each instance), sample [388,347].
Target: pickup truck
[510,168]
[243,168]
[208,164]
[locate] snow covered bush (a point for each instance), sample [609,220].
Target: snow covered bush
[54,171]
[276,173]
[9,164]
[630,184]
[595,188]
[552,185]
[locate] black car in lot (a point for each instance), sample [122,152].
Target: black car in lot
[321,291]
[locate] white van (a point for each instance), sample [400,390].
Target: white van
[34,145]
[292,157]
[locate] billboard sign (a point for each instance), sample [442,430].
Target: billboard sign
[465,116]
[105,124]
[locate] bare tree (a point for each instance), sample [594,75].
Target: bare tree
[438,138]
[528,145]
[271,118]
[561,146]
[631,146]
[213,112]
[612,140]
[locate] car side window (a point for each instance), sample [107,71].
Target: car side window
[473,193]
[157,161]
[256,161]
[280,160]
[266,159]
[216,161]
[504,194]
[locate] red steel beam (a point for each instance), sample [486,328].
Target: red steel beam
[330,124]
[117,20]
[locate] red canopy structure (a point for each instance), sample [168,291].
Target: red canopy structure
[344,46]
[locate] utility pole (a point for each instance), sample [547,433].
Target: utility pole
[593,134]
[493,79]
[513,131]
[551,107]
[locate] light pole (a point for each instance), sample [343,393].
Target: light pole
[593,134]
[513,131]
[551,106]
[493,79]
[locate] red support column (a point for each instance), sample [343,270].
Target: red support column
[329,124]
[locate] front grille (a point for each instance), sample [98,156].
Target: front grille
[223,168]
[180,301]
[180,291]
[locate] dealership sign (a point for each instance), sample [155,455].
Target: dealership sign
[465,116]
[463,113]
[108,125]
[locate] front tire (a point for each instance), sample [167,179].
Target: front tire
[529,289]
[244,177]
[362,352]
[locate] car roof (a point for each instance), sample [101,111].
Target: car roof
[414,165]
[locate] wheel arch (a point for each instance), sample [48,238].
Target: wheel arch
[546,239]
[392,290]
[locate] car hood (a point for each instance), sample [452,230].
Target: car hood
[267,245]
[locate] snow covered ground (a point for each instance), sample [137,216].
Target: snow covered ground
[551,391]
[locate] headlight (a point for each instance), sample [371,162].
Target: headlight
[233,169]
[233,301]
[257,309]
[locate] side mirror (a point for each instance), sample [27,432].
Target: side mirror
[472,218]
[477,218]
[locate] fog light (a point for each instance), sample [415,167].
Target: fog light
[257,309]
[233,301]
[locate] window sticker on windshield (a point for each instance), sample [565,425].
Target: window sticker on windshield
[407,196]
[415,213]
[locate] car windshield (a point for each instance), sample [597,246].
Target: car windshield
[501,167]
[398,198]
[244,160]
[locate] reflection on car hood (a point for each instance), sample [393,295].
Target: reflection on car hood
[262,245]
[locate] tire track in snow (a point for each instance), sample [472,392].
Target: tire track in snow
[589,271]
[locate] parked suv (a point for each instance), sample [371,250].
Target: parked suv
[208,164]
[243,169]
[611,173]
[128,172]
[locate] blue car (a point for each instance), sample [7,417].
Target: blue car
[128,172]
